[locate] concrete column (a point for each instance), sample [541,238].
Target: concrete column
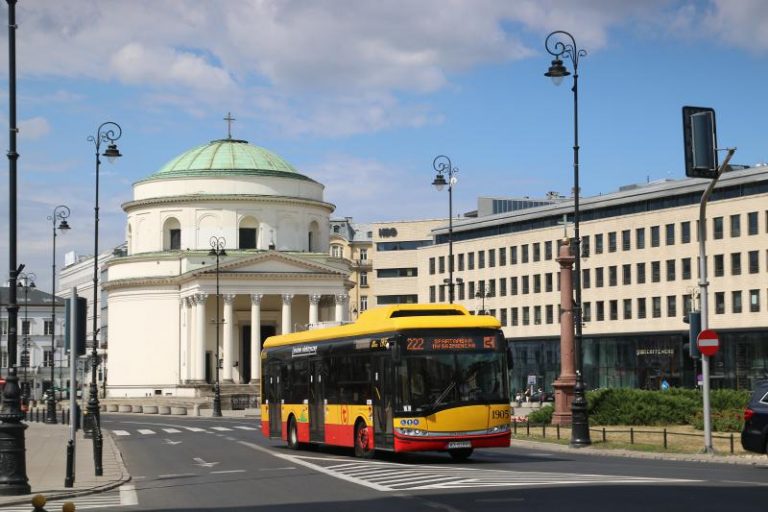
[314,302]
[186,339]
[565,383]
[228,352]
[199,352]
[256,337]
[341,312]
[286,320]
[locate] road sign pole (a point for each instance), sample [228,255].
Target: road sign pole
[707,412]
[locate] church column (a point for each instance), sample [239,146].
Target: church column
[186,340]
[340,313]
[256,337]
[199,351]
[286,320]
[314,302]
[228,354]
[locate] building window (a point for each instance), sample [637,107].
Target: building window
[754,262]
[655,236]
[671,306]
[640,273]
[548,282]
[641,307]
[670,234]
[655,271]
[526,315]
[513,285]
[752,223]
[461,261]
[548,250]
[599,277]
[687,302]
[626,244]
[47,358]
[492,288]
[513,255]
[599,244]
[614,309]
[25,327]
[336,252]
[685,232]
[640,238]
[363,303]
[503,319]
[441,265]
[656,305]
[612,275]
[502,256]
[4,330]
[536,315]
[754,301]
[514,316]
[471,289]
[503,287]
[626,271]
[735,263]
[585,246]
[461,290]
[442,293]
[480,259]
[470,261]
[526,285]
[363,254]
[586,312]
[524,255]
[686,263]
[363,278]
[537,251]
[48,327]
[432,294]
[717,228]
[719,303]
[719,265]
[585,283]
[612,241]
[431,266]
[670,270]
[627,309]
[735,225]
[491,257]
[600,311]
[736,301]
[537,283]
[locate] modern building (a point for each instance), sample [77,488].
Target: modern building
[640,278]
[179,306]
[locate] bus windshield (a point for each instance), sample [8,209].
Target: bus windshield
[430,382]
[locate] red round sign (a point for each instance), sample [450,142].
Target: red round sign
[708,342]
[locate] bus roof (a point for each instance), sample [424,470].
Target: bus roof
[390,319]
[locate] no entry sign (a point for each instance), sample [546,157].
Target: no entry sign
[708,342]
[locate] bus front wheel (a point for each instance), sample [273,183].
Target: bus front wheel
[460,454]
[363,441]
[293,434]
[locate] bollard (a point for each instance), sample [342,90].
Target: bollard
[665,438]
[38,502]
[68,506]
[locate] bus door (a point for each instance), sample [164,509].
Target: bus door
[383,392]
[272,386]
[316,400]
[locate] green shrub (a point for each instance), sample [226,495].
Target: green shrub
[542,415]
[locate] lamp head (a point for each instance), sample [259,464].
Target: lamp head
[439,182]
[557,71]
[112,153]
[64,226]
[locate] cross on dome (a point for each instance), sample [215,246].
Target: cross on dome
[229,120]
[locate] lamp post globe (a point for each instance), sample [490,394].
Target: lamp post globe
[561,44]
[442,165]
[217,249]
[108,132]
[60,214]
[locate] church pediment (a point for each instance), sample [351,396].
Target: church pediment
[277,263]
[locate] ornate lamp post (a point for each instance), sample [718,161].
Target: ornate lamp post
[442,164]
[60,213]
[107,132]
[562,44]
[26,281]
[217,249]
[13,471]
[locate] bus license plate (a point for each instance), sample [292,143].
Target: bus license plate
[459,444]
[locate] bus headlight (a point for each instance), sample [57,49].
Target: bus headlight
[411,432]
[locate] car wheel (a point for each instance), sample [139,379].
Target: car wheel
[293,435]
[363,442]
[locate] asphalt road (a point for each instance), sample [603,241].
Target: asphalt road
[225,464]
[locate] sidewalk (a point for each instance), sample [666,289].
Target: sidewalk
[47,465]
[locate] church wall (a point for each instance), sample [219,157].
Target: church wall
[229,184]
[135,329]
[153,268]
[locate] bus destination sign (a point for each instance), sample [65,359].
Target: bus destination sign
[452,343]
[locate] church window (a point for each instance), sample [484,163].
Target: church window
[247,238]
[175,239]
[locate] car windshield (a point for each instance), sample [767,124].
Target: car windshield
[434,381]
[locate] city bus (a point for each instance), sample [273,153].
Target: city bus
[403,378]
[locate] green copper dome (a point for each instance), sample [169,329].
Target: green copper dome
[227,157]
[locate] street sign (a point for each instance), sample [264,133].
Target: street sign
[708,342]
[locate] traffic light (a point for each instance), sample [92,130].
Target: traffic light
[700,142]
[694,328]
[81,316]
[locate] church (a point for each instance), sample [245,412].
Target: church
[227,244]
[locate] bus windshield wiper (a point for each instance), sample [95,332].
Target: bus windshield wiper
[444,394]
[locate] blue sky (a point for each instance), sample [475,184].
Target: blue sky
[362,95]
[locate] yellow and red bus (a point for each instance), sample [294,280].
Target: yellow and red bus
[402,378]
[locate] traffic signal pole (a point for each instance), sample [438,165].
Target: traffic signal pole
[703,286]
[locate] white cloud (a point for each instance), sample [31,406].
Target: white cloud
[34,128]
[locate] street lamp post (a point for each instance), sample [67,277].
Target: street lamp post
[562,44]
[107,132]
[26,281]
[442,164]
[217,249]
[61,214]
[482,293]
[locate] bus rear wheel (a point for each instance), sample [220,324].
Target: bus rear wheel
[363,441]
[293,434]
[460,454]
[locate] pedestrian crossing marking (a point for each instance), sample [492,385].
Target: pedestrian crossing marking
[195,429]
[121,432]
[146,431]
[107,500]
[221,429]
[242,427]
[171,430]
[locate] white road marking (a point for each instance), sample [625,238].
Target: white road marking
[146,431]
[221,429]
[171,430]
[128,495]
[121,432]
[227,471]
[245,428]
[195,429]
[201,462]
